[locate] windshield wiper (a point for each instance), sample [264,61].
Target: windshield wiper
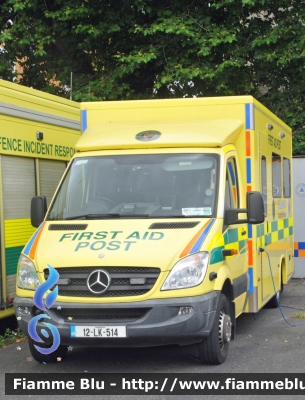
[93,216]
[110,215]
[179,216]
[126,215]
[171,216]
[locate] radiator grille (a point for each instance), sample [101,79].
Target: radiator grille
[76,281]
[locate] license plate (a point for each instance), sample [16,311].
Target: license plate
[97,331]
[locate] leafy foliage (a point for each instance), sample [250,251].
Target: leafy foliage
[11,336]
[137,49]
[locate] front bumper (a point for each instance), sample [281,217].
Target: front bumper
[160,325]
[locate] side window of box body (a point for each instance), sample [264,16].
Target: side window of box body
[276,175]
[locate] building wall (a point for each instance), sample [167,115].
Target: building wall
[299,216]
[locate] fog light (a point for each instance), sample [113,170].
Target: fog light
[23,310]
[185,310]
[137,281]
[36,311]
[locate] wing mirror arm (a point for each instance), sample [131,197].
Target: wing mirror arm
[255,211]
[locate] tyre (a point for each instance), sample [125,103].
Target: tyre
[274,302]
[60,352]
[214,348]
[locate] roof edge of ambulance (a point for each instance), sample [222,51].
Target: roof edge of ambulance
[167,102]
[171,133]
[180,102]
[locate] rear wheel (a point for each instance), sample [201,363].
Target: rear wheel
[214,348]
[275,301]
[57,355]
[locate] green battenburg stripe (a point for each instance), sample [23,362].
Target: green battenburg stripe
[231,237]
[216,255]
[274,226]
[276,234]
[242,246]
[11,259]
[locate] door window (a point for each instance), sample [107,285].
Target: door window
[231,193]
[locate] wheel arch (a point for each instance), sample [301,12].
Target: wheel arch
[283,272]
[227,290]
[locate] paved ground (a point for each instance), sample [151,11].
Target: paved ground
[264,343]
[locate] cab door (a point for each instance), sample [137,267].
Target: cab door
[235,238]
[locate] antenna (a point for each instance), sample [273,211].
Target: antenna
[71,79]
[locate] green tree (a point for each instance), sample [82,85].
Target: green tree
[171,48]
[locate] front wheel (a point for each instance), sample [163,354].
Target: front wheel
[214,348]
[57,355]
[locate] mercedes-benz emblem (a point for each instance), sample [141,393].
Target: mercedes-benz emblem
[98,281]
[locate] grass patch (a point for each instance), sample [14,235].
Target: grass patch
[11,336]
[298,284]
[299,315]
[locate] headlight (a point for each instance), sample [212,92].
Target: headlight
[188,272]
[27,277]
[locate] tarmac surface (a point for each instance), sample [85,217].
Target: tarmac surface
[264,343]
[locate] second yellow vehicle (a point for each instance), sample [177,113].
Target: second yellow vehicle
[37,138]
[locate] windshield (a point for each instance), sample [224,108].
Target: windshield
[138,186]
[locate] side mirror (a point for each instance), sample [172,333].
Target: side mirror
[38,210]
[255,208]
[255,211]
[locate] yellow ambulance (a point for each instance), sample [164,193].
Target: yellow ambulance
[162,226]
[37,139]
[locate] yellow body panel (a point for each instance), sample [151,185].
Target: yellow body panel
[243,134]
